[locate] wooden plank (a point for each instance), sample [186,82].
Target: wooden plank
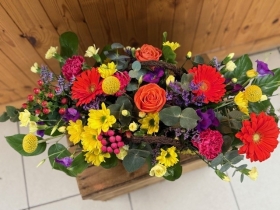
[35,26]
[7,93]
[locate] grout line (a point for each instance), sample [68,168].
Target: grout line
[235,198]
[61,199]
[24,175]
[130,202]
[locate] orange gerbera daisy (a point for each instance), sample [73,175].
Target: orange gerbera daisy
[210,81]
[87,86]
[259,135]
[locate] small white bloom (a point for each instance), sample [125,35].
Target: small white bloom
[230,56]
[32,127]
[189,54]
[234,80]
[125,113]
[34,68]
[230,66]
[133,126]
[91,51]
[62,129]
[51,52]
[253,174]
[263,98]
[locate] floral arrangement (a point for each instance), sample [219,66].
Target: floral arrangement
[136,106]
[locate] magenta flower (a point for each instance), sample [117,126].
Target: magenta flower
[263,69]
[154,76]
[66,161]
[73,67]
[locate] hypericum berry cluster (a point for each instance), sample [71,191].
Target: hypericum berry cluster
[111,142]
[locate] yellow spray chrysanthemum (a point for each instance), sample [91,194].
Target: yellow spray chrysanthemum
[158,170]
[168,157]
[107,70]
[241,102]
[75,130]
[96,156]
[253,93]
[89,139]
[111,85]
[150,123]
[101,119]
[30,143]
[172,45]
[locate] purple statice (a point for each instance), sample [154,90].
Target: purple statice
[207,119]
[40,133]
[46,75]
[63,85]
[95,104]
[263,69]
[156,152]
[154,76]
[215,63]
[66,161]
[176,95]
[197,100]
[194,87]
[71,114]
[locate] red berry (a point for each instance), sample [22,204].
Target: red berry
[111,133]
[44,103]
[36,91]
[120,144]
[38,111]
[50,95]
[114,146]
[62,111]
[24,105]
[112,139]
[40,82]
[46,111]
[104,142]
[118,138]
[64,101]
[57,89]
[99,137]
[109,149]
[104,149]
[30,97]
[116,151]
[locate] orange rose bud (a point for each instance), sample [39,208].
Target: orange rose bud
[150,98]
[148,53]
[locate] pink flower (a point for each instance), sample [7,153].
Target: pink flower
[209,143]
[73,67]
[124,80]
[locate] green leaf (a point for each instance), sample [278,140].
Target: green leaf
[4,117]
[237,115]
[241,167]
[136,66]
[174,172]
[189,118]
[134,159]
[197,60]
[168,54]
[15,142]
[227,143]
[237,159]
[59,151]
[170,116]
[241,177]
[268,83]
[125,102]
[259,107]
[225,167]
[217,160]
[231,154]
[115,110]
[78,165]
[186,80]
[164,36]
[68,44]
[243,64]
[132,86]
[110,162]
[11,111]
[116,46]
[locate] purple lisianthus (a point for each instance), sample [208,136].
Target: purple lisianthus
[40,133]
[154,76]
[263,69]
[71,114]
[208,119]
[66,161]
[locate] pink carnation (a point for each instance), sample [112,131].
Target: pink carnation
[209,143]
[124,79]
[73,67]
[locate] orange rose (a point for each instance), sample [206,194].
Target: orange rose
[147,53]
[150,98]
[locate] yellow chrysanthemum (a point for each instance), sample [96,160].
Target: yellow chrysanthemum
[107,70]
[111,85]
[75,130]
[30,143]
[158,170]
[251,73]
[150,123]
[133,126]
[241,102]
[253,93]
[101,119]
[172,45]
[89,139]
[169,79]
[96,157]
[168,157]
[24,117]
[33,127]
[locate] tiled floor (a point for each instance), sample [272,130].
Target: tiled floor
[23,186]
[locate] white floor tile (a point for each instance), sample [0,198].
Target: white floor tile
[12,188]
[197,190]
[45,184]
[76,203]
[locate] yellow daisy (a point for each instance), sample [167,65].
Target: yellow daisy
[89,139]
[107,70]
[75,130]
[241,102]
[96,157]
[168,157]
[150,123]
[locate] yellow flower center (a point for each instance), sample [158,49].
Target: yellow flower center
[204,86]
[30,143]
[256,137]
[91,88]
[253,93]
[111,85]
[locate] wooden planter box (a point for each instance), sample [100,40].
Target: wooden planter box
[97,183]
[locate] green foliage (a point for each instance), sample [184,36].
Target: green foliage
[15,142]
[78,165]
[110,162]
[261,106]
[173,172]
[136,66]
[186,80]
[68,44]
[189,118]
[170,116]
[135,159]
[168,54]
[11,114]
[4,117]
[197,60]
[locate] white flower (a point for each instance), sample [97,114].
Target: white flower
[91,51]
[123,152]
[169,79]
[253,174]
[230,56]
[230,66]
[51,52]
[32,127]
[34,68]
[24,117]
[158,170]
[133,126]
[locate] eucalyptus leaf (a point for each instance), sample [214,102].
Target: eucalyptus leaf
[170,116]
[241,177]
[225,167]
[133,73]
[227,143]
[197,60]
[189,118]
[237,115]
[135,159]
[237,159]
[217,160]
[111,55]
[132,86]
[125,102]
[242,167]
[231,154]
[116,46]
[136,66]
[115,110]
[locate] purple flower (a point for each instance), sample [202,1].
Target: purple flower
[66,161]
[237,88]
[154,76]
[263,69]
[40,132]
[208,119]
[71,114]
